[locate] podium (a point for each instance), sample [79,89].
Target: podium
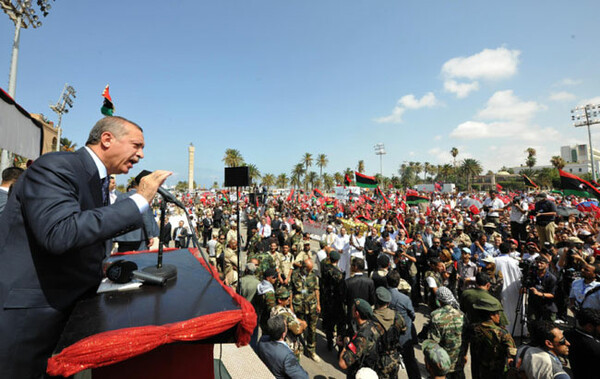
[155,332]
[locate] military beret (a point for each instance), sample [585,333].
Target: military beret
[383,294]
[282,293]
[487,305]
[363,307]
[436,357]
[270,272]
[334,256]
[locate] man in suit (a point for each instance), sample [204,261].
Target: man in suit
[207,230]
[165,235]
[9,177]
[54,234]
[180,235]
[139,239]
[276,354]
[358,286]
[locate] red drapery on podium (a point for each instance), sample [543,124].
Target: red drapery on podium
[119,345]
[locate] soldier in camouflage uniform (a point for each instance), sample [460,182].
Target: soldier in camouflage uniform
[332,280]
[492,347]
[434,279]
[361,350]
[388,345]
[219,247]
[265,262]
[306,303]
[254,243]
[295,326]
[437,361]
[447,328]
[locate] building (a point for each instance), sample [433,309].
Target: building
[576,157]
[50,133]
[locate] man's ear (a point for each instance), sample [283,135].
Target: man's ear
[549,344]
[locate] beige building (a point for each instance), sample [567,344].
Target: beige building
[50,133]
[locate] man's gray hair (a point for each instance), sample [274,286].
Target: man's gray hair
[113,124]
[276,327]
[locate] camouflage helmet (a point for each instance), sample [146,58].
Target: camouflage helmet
[282,293]
[436,358]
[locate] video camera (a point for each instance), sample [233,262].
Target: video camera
[528,273]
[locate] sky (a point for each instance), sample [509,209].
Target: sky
[277,79]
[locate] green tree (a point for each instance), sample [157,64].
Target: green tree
[310,179]
[253,172]
[322,162]
[428,168]
[215,185]
[454,153]
[307,161]
[407,175]
[268,180]
[296,175]
[328,181]
[531,159]
[470,168]
[339,178]
[233,158]
[67,145]
[557,162]
[282,180]
[544,177]
[417,167]
[445,171]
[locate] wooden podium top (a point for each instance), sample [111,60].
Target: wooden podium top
[192,294]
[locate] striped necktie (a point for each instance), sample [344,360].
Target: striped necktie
[105,197]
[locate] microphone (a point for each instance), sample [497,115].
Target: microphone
[166,195]
[122,271]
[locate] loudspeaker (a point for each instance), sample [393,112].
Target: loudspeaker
[237,177]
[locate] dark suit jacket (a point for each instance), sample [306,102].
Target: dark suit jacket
[280,360]
[165,236]
[54,235]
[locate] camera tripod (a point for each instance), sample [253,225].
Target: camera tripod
[520,312]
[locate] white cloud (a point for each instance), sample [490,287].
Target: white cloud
[461,90]
[504,105]
[562,96]
[567,82]
[488,64]
[438,137]
[408,102]
[439,156]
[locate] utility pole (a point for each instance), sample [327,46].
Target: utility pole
[60,107]
[587,115]
[380,150]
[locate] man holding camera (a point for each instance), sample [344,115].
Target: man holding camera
[518,218]
[541,293]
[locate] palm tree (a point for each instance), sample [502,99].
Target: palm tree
[253,172]
[282,180]
[470,167]
[233,158]
[558,162]
[445,171]
[322,162]
[310,178]
[338,177]
[215,185]
[418,167]
[328,182]
[427,169]
[307,160]
[296,175]
[67,145]
[268,180]
[531,159]
[454,153]
[544,177]
[361,166]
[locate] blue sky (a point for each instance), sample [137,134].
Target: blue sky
[276,79]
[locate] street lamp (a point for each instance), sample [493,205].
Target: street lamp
[60,107]
[380,150]
[587,115]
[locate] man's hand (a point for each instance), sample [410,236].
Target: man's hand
[150,183]
[318,308]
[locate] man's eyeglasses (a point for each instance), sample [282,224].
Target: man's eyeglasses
[562,341]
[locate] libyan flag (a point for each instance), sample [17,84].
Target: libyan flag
[379,195]
[574,185]
[413,198]
[347,180]
[108,109]
[365,181]
[529,182]
[317,193]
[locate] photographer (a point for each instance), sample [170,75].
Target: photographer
[518,218]
[570,263]
[493,207]
[541,293]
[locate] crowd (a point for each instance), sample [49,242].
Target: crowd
[489,270]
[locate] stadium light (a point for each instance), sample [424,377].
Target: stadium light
[587,115]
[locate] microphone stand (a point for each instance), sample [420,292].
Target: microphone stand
[166,272]
[196,243]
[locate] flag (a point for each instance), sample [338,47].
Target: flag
[438,187]
[317,193]
[595,183]
[413,198]
[498,187]
[289,198]
[347,180]
[365,181]
[473,209]
[379,195]
[574,185]
[224,196]
[107,107]
[529,182]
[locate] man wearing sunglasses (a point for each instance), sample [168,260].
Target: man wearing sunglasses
[542,359]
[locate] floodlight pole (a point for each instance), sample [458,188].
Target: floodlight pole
[380,150]
[581,121]
[12,76]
